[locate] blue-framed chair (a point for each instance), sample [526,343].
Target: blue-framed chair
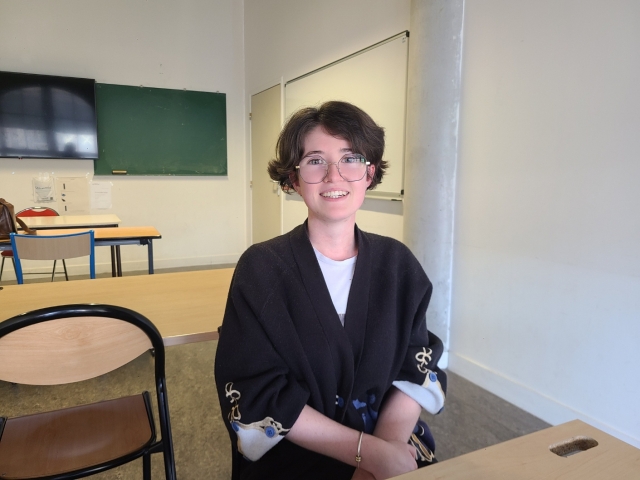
[52,247]
[68,344]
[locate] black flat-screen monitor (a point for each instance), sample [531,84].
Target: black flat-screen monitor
[44,116]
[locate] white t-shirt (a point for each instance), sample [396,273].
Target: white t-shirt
[337,275]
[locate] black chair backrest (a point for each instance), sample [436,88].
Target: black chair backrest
[70,343]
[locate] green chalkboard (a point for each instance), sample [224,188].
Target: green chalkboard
[159,131]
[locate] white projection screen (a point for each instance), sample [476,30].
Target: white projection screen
[374,79]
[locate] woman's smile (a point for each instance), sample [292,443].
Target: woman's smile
[334,194]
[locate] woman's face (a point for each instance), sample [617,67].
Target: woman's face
[334,199]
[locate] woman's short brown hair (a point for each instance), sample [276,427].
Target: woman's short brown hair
[340,119]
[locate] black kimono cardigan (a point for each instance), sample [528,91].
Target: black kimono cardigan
[282,346]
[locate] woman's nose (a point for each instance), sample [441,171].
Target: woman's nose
[333,174]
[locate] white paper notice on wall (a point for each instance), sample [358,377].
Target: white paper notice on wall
[73,193]
[101,195]
[43,188]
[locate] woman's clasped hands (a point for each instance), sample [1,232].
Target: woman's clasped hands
[383,459]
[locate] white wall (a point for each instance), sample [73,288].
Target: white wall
[288,38]
[546,302]
[192,44]
[546,299]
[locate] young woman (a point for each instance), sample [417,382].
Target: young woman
[324,359]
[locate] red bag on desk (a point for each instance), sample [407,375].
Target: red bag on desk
[9,222]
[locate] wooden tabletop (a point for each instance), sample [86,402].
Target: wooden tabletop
[108,233]
[185,307]
[529,457]
[66,221]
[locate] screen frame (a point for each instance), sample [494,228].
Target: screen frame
[77,86]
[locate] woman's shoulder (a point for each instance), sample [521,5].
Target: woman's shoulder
[266,259]
[382,241]
[380,244]
[263,250]
[393,257]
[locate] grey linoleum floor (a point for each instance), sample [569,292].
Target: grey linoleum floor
[472,419]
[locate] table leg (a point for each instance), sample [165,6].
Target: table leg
[113,261]
[150,253]
[118,260]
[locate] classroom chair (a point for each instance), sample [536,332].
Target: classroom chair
[33,212]
[68,344]
[52,247]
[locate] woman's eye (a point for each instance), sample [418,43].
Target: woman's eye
[315,161]
[352,159]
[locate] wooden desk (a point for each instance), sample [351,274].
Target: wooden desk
[80,221]
[113,237]
[117,237]
[529,457]
[186,307]
[72,221]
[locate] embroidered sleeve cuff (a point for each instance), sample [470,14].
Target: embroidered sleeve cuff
[429,395]
[257,438]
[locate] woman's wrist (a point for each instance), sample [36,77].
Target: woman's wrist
[359,450]
[385,459]
[371,448]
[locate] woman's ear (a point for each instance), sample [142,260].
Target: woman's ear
[293,179]
[371,170]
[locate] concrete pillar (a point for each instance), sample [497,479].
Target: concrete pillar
[433,98]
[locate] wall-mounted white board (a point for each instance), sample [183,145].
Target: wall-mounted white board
[374,79]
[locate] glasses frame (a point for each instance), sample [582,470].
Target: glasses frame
[337,164]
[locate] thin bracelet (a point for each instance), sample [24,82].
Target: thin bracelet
[358,457]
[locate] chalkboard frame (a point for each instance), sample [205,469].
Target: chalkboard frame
[160,131]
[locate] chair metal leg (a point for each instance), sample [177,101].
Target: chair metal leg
[66,276]
[13,261]
[64,265]
[2,266]
[146,466]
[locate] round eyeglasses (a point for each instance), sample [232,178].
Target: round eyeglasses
[314,169]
